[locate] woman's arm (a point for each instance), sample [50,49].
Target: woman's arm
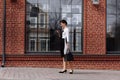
[67,37]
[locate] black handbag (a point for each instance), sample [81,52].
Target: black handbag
[69,56]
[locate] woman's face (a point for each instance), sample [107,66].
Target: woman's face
[62,25]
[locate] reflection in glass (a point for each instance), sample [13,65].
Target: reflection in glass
[113,26]
[43,5]
[76,2]
[54,19]
[66,2]
[54,6]
[42,24]
[76,20]
[32,1]
[66,8]
[76,9]
[118,7]
[67,17]
[32,46]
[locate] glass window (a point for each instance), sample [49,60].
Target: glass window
[54,5]
[43,45]
[76,9]
[66,6]
[42,21]
[113,26]
[68,18]
[43,5]
[32,44]
[41,18]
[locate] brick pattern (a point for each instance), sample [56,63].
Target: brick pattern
[94,27]
[94,40]
[15,28]
[81,62]
[1,25]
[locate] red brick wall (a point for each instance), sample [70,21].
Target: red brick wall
[94,40]
[81,62]
[94,28]
[1,25]
[15,27]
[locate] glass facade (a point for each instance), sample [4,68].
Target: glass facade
[42,21]
[113,26]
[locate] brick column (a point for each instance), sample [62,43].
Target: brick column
[94,28]
[1,24]
[15,28]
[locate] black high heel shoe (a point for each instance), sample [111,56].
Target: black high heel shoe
[63,71]
[71,72]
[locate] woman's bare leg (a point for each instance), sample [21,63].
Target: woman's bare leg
[70,65]
[64,64]
[64,67]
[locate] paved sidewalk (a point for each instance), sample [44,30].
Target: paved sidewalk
[52,74]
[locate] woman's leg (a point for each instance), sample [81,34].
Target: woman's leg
[70,66]
[64,67]
[64,64]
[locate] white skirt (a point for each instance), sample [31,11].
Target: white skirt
[65,47]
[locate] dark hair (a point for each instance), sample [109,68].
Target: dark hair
[63,21]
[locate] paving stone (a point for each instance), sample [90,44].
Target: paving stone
[21,73]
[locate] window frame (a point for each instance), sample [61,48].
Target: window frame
[54,52]
[34,45]
[46,41]
[110,52]
[39,20]
[35,24]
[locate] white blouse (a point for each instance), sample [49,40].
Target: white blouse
[65,34]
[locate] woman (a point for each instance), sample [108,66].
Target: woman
[65,46]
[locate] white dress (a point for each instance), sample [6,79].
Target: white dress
[65,36]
